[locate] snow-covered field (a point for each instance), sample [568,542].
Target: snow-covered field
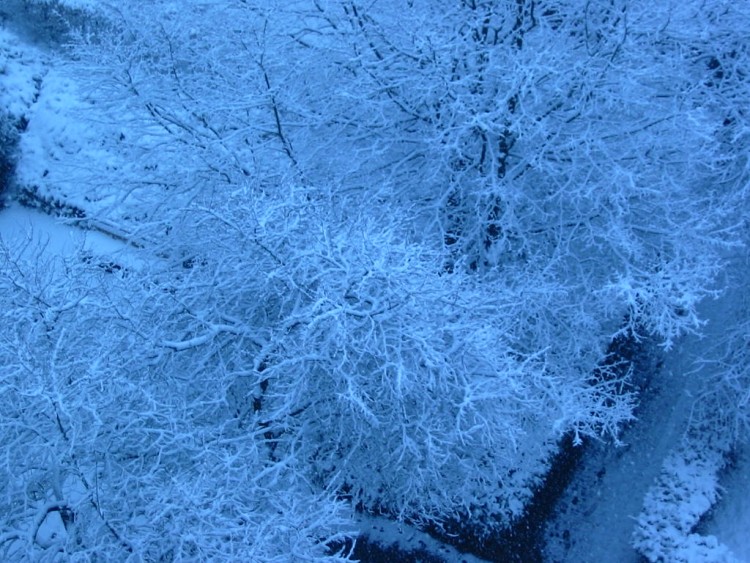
[599,512]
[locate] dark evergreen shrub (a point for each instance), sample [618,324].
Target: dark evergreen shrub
[8,149]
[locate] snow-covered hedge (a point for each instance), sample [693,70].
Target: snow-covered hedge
[686,489]
[56,22]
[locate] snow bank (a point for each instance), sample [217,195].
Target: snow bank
[57,141]
[59,132]
[22,68]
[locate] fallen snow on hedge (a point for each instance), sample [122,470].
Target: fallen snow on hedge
[686,489]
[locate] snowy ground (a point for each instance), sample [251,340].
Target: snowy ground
[597,514]
[31,230]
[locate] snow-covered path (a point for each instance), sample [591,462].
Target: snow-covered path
[597,514]
[24,231]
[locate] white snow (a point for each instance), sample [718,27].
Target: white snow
[21,70]
[28,230]
[60,126]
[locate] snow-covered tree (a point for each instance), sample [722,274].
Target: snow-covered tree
[387,246]
[117,446]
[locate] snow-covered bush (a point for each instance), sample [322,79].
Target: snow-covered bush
[56,22]
[383,377]
[683,493]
